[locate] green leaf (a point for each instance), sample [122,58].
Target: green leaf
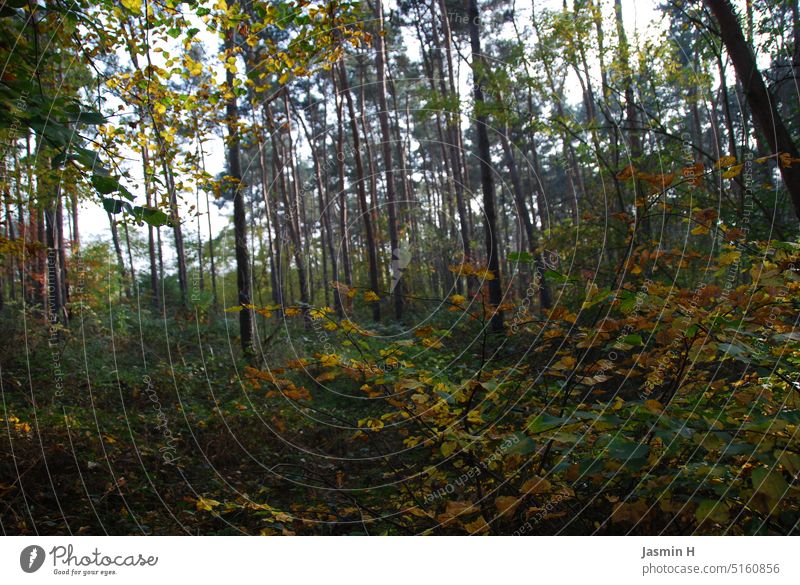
[113,206]
[150,215]
[769,483]
[554,276]
[524,445]
[713,510]
[545,422]
[90,117]
[105,184]
[619,447]
[520,257]
[88,158]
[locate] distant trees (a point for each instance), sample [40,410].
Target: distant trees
[343,152]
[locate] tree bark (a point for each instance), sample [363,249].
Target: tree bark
[479,66]
[388,167]
[761,103]
[243,276]
[372,252]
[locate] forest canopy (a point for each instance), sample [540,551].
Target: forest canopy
[403,267]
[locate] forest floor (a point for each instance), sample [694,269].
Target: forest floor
[155,426]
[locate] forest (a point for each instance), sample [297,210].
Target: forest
[402,267]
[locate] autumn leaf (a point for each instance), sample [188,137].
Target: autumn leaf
[206,504]
[134,6]
[536,485]
[506,505]
[626,173]
[330,359]
[458,299]
[786,160]
[725,161]
[477,526]
[732,172]
[694,174]
[371,296]
[448,448]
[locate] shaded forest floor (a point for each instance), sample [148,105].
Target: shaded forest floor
[126,433]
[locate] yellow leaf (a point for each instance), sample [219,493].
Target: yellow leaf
[477,526]
[133,5]
[565,363]
[725,161]
[653,406]
[329,359]
[458,299]
[506,505]
[448,448]
[700,230]
[732,172]
[536,485]
[206,504]
[371,296]
[729,257]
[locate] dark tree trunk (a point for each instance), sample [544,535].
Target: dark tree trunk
[118,251]
[761,103]
[243,276]
[372,252]
[340,159]
[479,66]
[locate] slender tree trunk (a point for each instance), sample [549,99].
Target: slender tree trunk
[454,129]
[388,167]
[479,67]
[527,223]
[372,252]
[243,276]
[293,209]
[118,251]
[340,159]
[151,243]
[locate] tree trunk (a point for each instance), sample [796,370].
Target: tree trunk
[239,215]
[761,103]
[340,159]
[372,252]
[527,223]
[386,144]
[479,67]
[118,251]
